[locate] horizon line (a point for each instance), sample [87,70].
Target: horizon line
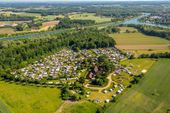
[61,1]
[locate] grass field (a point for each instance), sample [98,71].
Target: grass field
[124,29]
[7,31]
[80,107]
[11,22]
[151,95]
[3,108]
[29,99]
[140,41]
[22,13]
[90,16]
[138,64]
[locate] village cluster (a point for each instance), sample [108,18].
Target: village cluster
[65,64]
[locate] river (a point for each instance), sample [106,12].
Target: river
[137,22]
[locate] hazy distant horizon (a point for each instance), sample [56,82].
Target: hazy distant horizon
[72,0]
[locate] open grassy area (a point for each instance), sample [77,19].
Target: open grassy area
[29,99]
[11,22]
[7,31]
[136,41]
[22,13]
[3,108]
[79,107]
[124,29]
[138,64]
[151,95]
[90,16]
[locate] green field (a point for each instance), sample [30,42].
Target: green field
[80,107]
[3,108]
[28,99]
[90,16]
[138,65]
[22,13]
[151,95]
[139,41]
[124,29]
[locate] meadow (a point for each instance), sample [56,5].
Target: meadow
[150,95]
[3,107]
[138,64]
[21,13]
[90,16]
[28,99]
[139,41]
[79,107]
[7,30]
[124,29]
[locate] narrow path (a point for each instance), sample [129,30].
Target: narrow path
[101,88]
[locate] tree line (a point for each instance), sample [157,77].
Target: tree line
[14,17]
[153,31]
[68,23]
[155,55]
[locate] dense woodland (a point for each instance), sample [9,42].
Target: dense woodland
[68,23]
[16,54]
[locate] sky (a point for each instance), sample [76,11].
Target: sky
[70,0]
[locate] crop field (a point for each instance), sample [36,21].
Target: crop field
[150,95]
[49,24]
[90,16]
[29,99]
[139,41]
[7,30]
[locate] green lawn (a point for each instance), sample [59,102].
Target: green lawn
[151,95]
[90,16]
[29,99]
